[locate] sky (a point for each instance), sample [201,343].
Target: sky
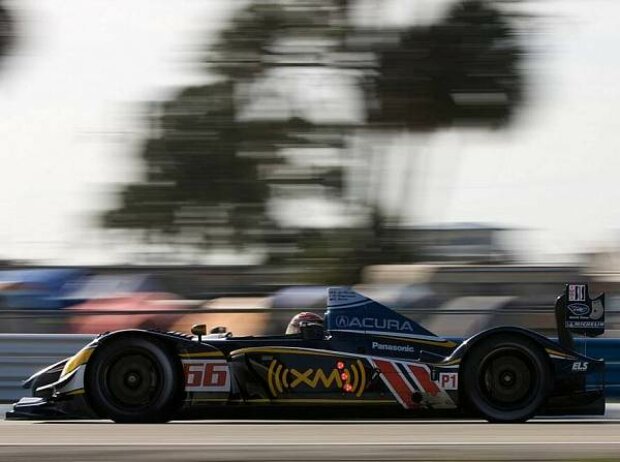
[71,124]
[556,171]
[70,111]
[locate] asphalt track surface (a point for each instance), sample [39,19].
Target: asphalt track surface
[269,440]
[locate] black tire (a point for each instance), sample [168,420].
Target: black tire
[134,380]
[506,378]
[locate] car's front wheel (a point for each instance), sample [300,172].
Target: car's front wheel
[506,378]
[134,380]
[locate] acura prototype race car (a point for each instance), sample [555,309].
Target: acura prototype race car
[364,356]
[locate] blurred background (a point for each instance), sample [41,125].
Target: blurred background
[225,161]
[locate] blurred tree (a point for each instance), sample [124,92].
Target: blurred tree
[218,153]
[7,30]
[210,169]
[464,70]
[208,172]
[268,34]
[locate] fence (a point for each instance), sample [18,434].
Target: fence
[461,318]
[23,354]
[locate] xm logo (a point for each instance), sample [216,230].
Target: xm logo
[351,378]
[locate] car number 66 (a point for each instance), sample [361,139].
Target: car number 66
[206,375]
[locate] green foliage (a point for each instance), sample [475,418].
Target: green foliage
[270,33]
[461,71]
[206,169]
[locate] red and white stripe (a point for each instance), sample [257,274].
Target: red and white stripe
[396,382]
[421,375]
[417,378]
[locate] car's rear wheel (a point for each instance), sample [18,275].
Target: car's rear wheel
[506,378]
[133,380]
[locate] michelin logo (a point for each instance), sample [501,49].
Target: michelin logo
[397,348]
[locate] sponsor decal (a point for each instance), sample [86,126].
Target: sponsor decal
[351,378]
[576,293]
[206,375]
[449,380]
[395,348]
[340,296]
[579,309]
[597,310]
[585,324]
[342,322]
[582,314]
[580,366]
[347,322]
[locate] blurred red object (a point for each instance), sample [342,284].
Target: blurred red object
[144,301]
[243,323]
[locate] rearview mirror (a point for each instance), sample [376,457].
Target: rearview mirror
[199,330]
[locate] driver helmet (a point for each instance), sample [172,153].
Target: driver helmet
[306,317]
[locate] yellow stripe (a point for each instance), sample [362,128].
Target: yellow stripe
[204,354]
[270,378]
[330,401]
[444,343]
[362,388]
[310,352]
[291,350]
[557,353]
[79,391]
[77,360]
[306,401]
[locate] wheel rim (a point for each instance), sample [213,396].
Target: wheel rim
[508,379]
[132,380]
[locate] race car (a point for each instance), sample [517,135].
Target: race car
[364,356]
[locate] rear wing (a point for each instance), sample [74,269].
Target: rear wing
[576,312]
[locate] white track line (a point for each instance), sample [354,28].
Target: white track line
[321,444]
[612,415]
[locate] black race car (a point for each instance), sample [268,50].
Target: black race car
[364,357]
